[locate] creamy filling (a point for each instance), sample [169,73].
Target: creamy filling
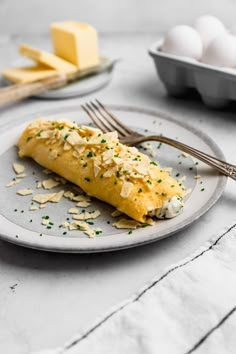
[171,208]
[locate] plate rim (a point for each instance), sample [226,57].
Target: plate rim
[48,95]
[151,236]
[106,76]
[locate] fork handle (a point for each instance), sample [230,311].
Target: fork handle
[225,168]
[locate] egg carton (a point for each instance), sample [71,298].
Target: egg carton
[216,86]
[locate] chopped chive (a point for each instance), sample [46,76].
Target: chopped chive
[87,179]
[144,225]
[153,163]
[177,174]
[159,181]
[103,141]
[90,154]
[140,190]
[130,232]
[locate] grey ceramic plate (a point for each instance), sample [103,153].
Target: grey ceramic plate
[23,227]
[80,88]
[75,89]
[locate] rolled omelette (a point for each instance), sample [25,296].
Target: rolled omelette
[103,167]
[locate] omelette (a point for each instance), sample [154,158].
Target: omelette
[103,167]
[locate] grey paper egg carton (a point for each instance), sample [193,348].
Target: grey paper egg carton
[216,86]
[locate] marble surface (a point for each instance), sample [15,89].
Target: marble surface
[46,298]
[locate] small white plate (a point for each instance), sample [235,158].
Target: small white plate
[75,89]
[23,227]
[79,88]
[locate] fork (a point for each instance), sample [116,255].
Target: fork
[107,122]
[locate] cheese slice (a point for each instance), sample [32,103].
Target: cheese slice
[48,59]
[28,73]
[76,43]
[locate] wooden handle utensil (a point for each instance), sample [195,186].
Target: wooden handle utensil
[16,92]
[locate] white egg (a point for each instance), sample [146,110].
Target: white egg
[208,28]
[221,51]
[183,41]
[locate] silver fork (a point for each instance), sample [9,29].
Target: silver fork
[107,122]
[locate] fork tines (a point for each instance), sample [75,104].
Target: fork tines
[104,119]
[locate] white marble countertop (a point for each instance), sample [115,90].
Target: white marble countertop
[45,298]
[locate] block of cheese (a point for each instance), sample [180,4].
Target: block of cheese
[76,43]
[48,59]
[28,73]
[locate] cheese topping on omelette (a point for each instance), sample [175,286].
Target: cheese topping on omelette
[103,167]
